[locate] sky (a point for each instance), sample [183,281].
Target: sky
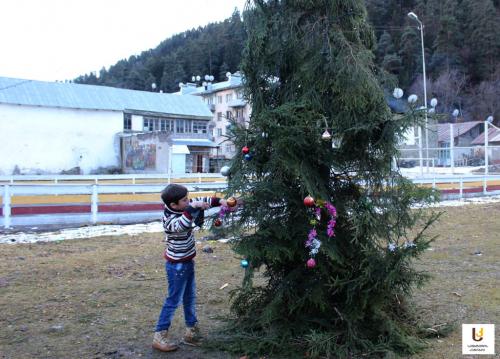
[53,40]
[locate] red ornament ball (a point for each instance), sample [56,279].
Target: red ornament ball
[245,150]
[309,201]
[311,263]
[218,222]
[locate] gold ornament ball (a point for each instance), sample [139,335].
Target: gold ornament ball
[231,201]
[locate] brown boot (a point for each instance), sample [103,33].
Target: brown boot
[160,342]
[192,336]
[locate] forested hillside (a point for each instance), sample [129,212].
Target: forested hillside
[462,49]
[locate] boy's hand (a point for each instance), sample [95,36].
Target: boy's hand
[200,204]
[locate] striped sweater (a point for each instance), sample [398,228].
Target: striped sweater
[178,228]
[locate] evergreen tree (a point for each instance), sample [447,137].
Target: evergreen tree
[386,54]
[448,40]
[482,35]
[309,67]
[173,73]
[410,54]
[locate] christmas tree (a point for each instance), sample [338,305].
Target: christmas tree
[327,222]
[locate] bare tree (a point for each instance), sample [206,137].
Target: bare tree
[485,99]
[448,88]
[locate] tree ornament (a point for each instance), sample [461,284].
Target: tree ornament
[217,222]
[309,201]
[248,157]
[231,202]
[225,171]
[311,263]
[326,136]
[244,263]
[245,150]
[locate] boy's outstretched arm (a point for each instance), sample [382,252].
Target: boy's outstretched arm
[211,201]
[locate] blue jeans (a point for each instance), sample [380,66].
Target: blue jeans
[181,288]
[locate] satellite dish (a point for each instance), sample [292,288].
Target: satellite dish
[228,75]
[211,78]
[198,78]
[207,78]
[181,85]
[398,93]
[434,102]
[193,79]
[455,113]
[153,86]
[490,119]
[412,98]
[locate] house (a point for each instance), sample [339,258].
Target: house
[493,145]
[225,100]
[49,127]
[464,133]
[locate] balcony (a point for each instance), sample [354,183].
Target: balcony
[239,102]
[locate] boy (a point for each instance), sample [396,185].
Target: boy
[178,217]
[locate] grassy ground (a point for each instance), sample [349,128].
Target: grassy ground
[100,298]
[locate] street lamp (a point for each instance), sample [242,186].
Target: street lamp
[413,16]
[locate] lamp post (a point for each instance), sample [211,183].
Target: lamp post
[413,16]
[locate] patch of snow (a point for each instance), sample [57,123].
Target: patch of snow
[467,201]
[415,171]
[83,232]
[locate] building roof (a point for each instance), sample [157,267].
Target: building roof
[70,95]
[201,142]
[233,81]
[459,128]
[493,136]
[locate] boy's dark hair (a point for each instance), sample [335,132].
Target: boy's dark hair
[173,193]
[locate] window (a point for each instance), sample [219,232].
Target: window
[209,100]
[127,121]
[229,97]
[148,124]
[229,115]
[199,126]
[239,94]
[219,132]
[157,124]
[219,99]
[182,126]
[219,116]
[165,125]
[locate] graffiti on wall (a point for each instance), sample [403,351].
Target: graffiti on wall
[140,157]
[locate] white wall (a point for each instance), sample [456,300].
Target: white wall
[49,140]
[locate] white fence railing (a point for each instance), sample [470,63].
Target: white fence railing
[198,177]
[94,190]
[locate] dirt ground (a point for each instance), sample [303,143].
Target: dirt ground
[100,297]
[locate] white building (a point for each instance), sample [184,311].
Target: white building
[225,100]
[49,127]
